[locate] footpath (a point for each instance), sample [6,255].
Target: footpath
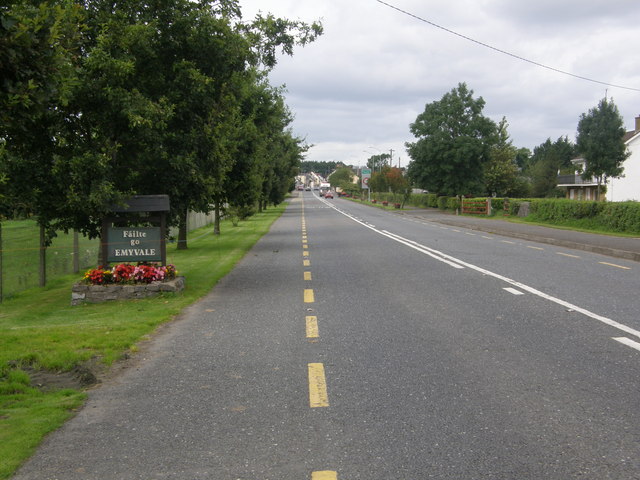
[619,247]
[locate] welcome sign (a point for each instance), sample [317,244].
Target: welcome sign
[134,244]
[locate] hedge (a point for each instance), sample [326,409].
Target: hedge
[623,217]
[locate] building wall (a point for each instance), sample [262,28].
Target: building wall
[628,187]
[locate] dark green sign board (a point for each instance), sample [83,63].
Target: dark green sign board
[134,244]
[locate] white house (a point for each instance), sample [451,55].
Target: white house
[620,189]
[628,186]
[579,188]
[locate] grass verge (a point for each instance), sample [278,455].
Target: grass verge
[41,332]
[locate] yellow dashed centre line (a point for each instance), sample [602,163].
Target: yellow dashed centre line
[307,276]
[317,386]
[324,475]
[306,263]
[614,265]
[308,295]
[305,253]
[567,255]
[312,326]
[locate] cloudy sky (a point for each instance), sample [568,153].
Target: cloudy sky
[356,89]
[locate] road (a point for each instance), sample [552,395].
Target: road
[355,343]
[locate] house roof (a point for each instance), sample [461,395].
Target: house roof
[630,135]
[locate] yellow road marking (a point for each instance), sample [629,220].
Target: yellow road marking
[305,253]
[317,386]
[324,475]
[305,246]
[312,326]
[308,295]
[567,255]
[307,275]
[614,265]
[306,263]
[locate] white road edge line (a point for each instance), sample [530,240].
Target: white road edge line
[628,342]
[513,290]
[449,260]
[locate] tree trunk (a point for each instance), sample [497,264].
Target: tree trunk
[43,258]
[182,231]
[216,218]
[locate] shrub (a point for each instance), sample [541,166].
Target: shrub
[620,217]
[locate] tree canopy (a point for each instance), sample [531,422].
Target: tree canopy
[547,159]
[453,144]
[340,176]
[101,100]
[600,142]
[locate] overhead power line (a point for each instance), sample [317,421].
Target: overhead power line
[504,52]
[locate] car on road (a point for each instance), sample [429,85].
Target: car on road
[328,195]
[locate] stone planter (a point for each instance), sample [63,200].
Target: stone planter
[82,293]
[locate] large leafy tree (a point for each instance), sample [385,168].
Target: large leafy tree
[376,162]
[547,159]
[600,142]
[340,176]
[453,144]
[501,171]
[39,44]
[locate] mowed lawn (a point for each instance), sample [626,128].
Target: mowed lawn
[41,332]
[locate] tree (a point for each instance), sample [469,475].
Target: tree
[39,45]
[501,171]
[378,181]
[322,168]
[547,159]
[137,98]
[600,142]
[376,162]
[398,183]
[453,144]
[341,175]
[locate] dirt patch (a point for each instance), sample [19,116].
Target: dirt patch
[78,378]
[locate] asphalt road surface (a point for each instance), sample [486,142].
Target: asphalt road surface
[354,343]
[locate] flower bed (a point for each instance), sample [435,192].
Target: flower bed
[125,273]
[124,282]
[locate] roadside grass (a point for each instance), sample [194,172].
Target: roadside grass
[41,331]
[579,225]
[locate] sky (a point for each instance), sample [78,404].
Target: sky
[356,89]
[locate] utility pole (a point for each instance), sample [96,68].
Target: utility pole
[391,157]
